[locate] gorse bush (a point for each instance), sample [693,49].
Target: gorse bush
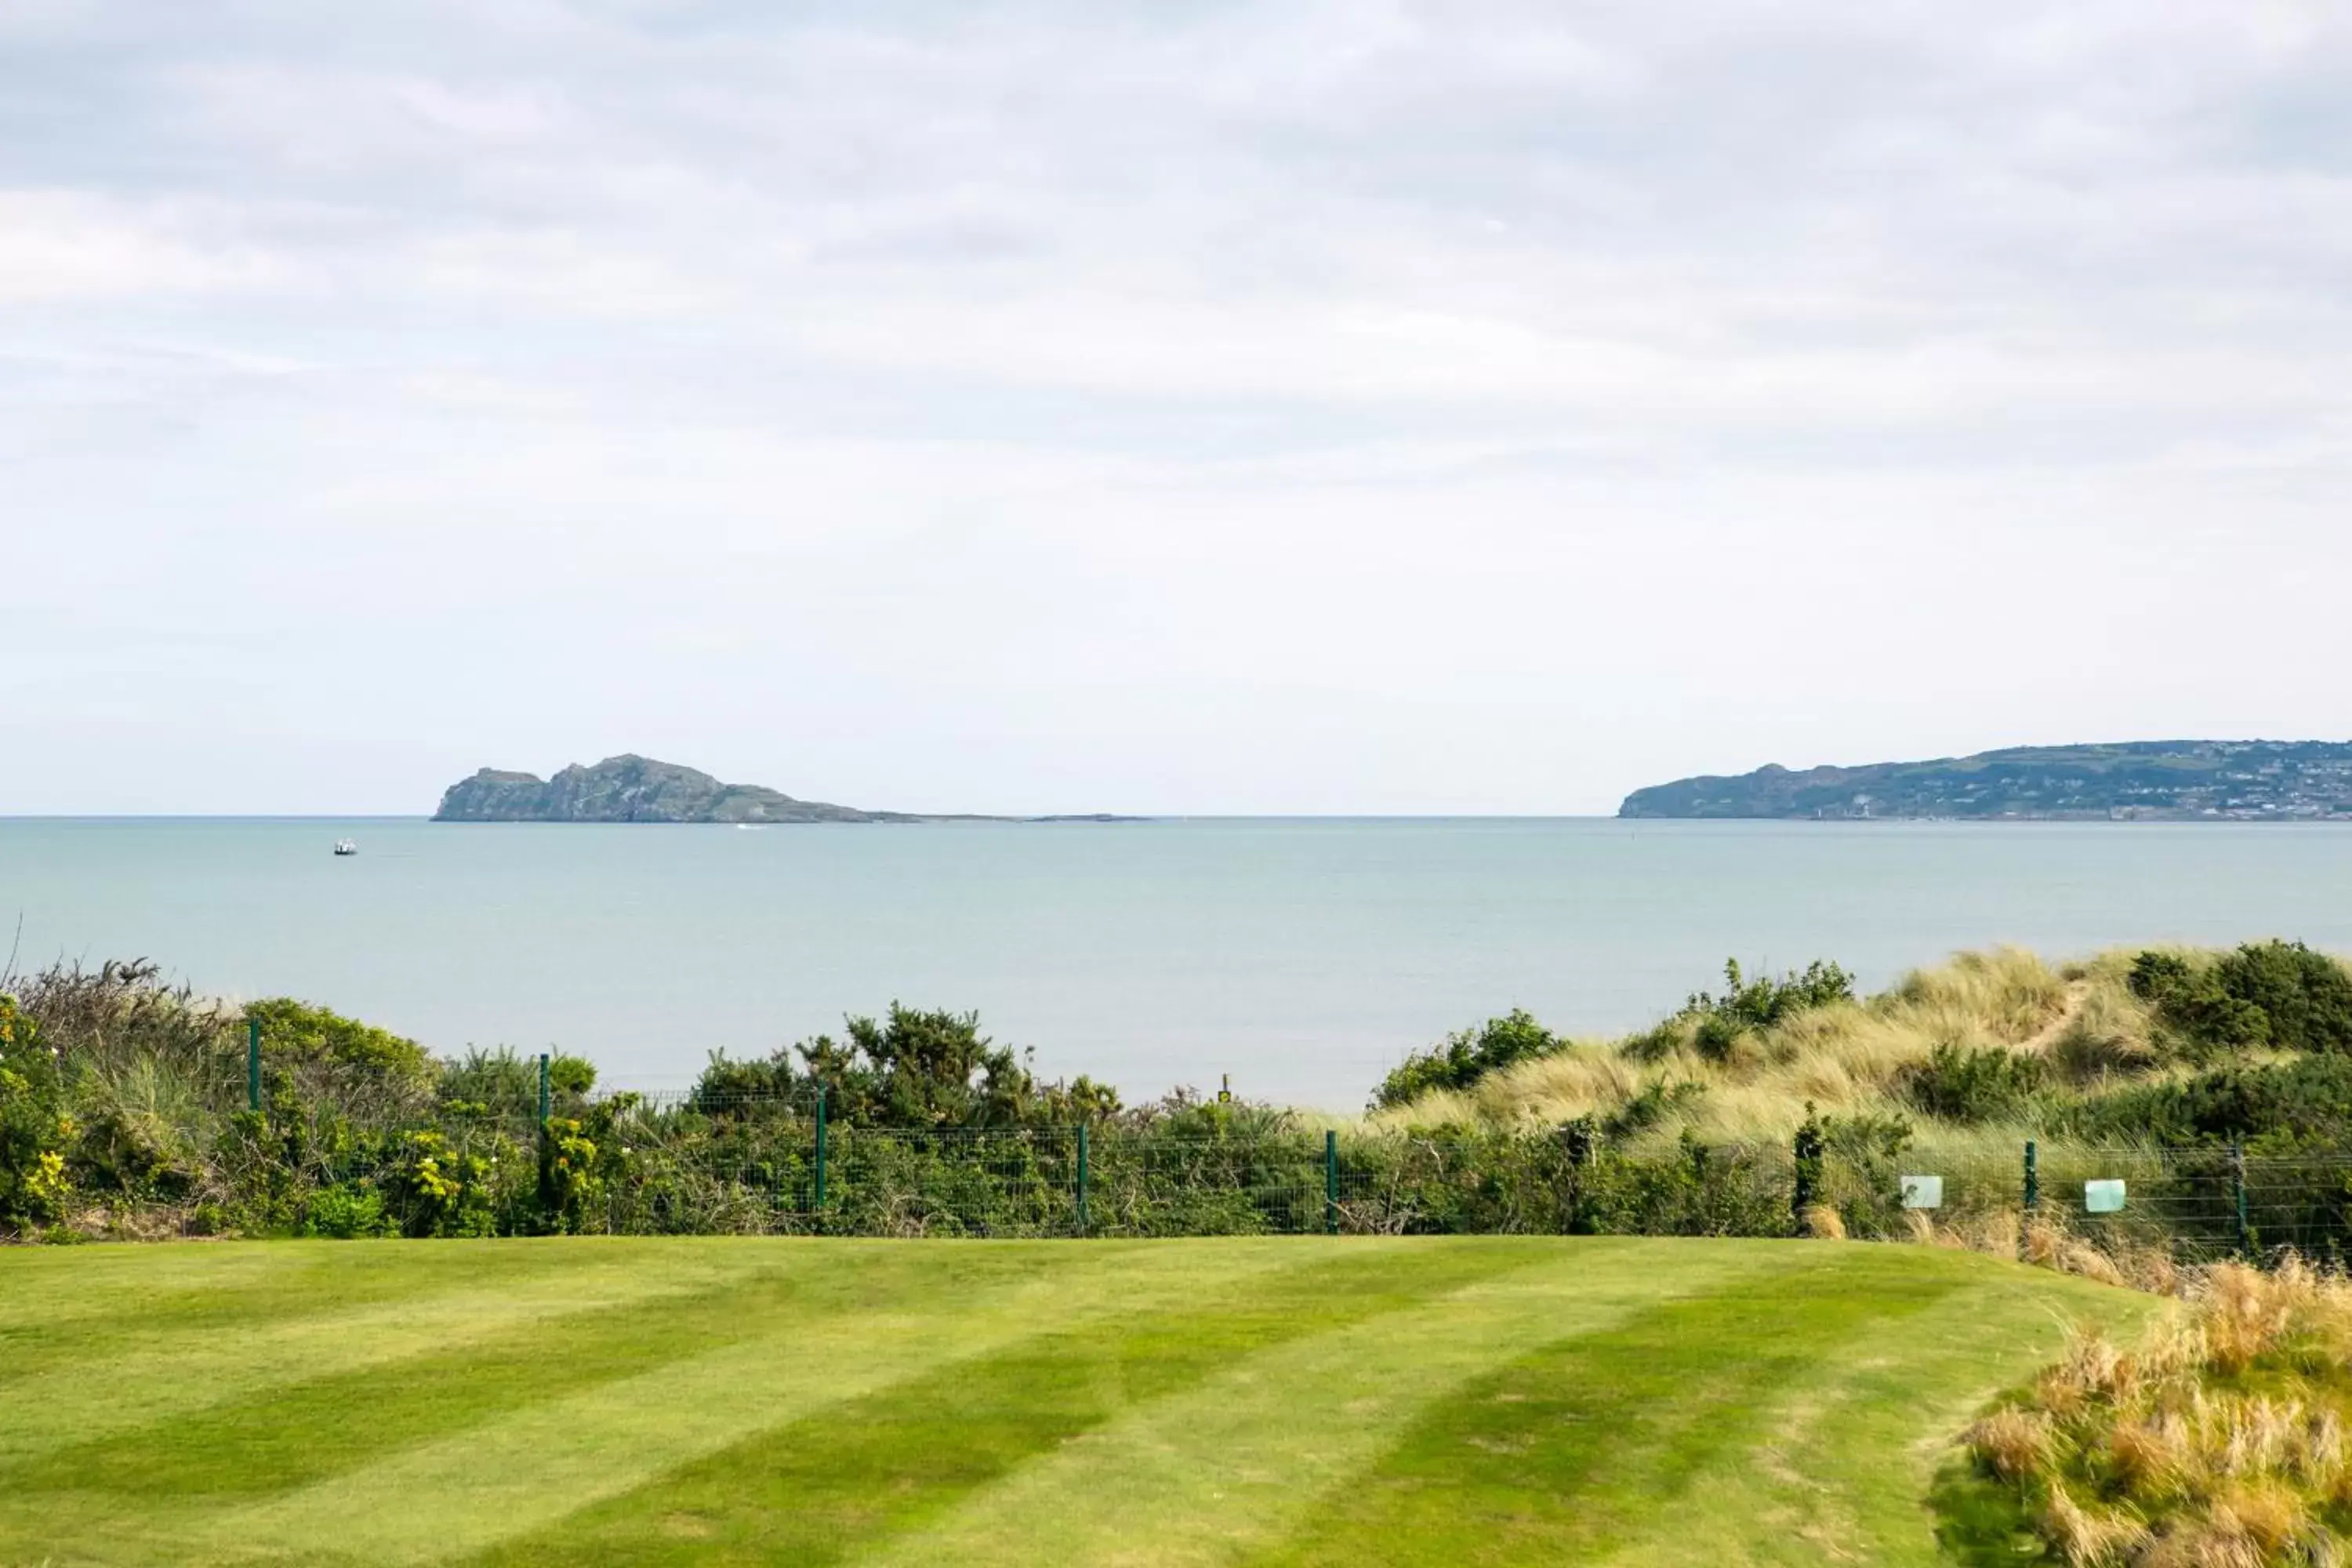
[2270,993]
[2273,1108]
[34,1126]
[2305,997]
[1463,1057]
[1959,1083]
[912,1068]
[1714,1026]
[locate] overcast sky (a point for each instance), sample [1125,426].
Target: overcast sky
[1298,407]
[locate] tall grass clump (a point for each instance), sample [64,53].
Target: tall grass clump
[2218,1439]
[1976,1055]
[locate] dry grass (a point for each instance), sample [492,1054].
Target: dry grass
[2218,1439]
[1846,1058]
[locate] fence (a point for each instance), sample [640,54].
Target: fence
[699,1162]
[749,1165]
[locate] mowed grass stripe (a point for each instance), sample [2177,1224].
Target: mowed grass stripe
[1235,1463]
[277,1439]
[522,1471]
[1836,1466]
[65,1305]
[284,1435]
[809,1492]
[174,1370]
[1560,1454]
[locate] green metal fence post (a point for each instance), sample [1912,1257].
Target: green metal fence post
[2238,1192]
[1330,1182]
[253,1064]
[1082,1178]
[1806,1185]
[544,1110]
[820,1149]
[2033,1191]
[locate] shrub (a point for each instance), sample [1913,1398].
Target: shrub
[569,1183]
[2194,1005]
[295,1031]
[1713,1025]
[1463,1057]
[572,1076]
[1989,1084]
[34,1126]
[347,1213]
[2306,1102]
[437,1190]
[912,1068]
[2306,997]
[2275,993]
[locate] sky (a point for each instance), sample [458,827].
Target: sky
[1299,408]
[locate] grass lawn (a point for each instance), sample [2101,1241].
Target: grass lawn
[1281,1401]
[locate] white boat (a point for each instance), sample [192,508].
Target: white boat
[345,847]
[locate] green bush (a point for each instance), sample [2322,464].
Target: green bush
[1713,1025]
[347,1213]
[572,1076]
[2306,1102]
[1959,1084]
[1463,1057]
[295,1032]
[35,1127]
[435,1189]
[2277,994]
[912,1068]
[2306,997]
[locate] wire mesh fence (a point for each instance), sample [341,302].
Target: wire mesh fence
[685,1162]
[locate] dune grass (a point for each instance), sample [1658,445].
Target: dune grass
[2215,1440]
[1289,1401]
[1847,1058]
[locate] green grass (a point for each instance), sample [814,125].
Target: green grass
[1294,1401]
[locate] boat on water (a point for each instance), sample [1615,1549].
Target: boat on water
[345,847]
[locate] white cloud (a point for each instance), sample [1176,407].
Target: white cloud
[1237,406]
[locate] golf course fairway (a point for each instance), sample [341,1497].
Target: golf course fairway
[1271,1401]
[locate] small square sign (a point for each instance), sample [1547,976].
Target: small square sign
[2102,1197]
[1923,1192]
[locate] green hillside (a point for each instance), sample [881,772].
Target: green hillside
[2230,779]
[1271,1400]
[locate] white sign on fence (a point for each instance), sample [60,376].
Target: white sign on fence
[2102,1197]
[1923,1192]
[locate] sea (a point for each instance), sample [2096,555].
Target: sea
[1296,959]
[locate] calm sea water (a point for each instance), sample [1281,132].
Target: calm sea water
[1302,957]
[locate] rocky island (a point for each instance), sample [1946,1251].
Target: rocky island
[631,788]
[2154,780]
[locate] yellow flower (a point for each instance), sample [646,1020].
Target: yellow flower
[46,1180]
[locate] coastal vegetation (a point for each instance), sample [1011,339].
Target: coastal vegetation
[2216,1438]
[2217,1085]
[2155,1046]
[1297,1400]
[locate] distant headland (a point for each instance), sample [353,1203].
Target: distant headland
[2261,780]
